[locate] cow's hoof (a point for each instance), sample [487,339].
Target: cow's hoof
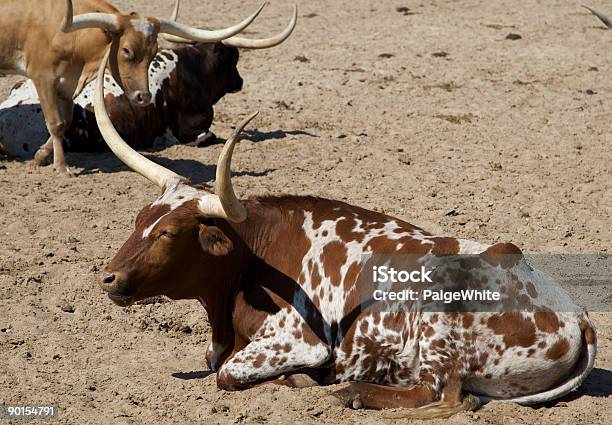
[63,170]
[356,403]
[349,397]
[205,139]
[470,402]
[42,157]
[300,380]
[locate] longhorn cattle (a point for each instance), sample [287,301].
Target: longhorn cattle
[280,279]
[185,83]
[61,53]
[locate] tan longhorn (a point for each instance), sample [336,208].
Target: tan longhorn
[61,52]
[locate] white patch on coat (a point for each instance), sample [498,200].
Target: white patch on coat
[275,349]
[25,94]
[471,247]
[148,230]
[157,76]
[174,196]
[333,311]
[22,123]
[145,27]
[86,97]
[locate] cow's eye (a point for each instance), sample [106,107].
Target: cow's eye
[166,234]
[126,52]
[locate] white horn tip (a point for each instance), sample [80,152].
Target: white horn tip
[248,120]
[236,134]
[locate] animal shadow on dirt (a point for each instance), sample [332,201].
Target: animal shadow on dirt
[194,374]
[195,171]
[598,384]
[260,136]
[254,136]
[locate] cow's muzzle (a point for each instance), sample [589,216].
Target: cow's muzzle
[237,85]
[140,98]
[114,285]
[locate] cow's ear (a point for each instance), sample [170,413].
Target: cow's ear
[213,241]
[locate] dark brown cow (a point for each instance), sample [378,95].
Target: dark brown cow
[280,280]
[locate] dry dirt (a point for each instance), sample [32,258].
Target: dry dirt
[431,114]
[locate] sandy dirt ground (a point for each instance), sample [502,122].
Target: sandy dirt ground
[431,113]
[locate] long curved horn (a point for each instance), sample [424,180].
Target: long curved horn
[602,18]
[205,36]
[71,23]
[225,204]
[246,43]
[264,43]
[157,174]
[175,12]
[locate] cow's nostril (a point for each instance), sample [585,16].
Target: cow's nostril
[143,98]
[108,277]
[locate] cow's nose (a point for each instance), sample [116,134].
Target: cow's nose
[238,85]
[108,278]
[141,98]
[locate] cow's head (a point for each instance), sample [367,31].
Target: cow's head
[220,60]
[133,40]
[184,232]
[205,73]
[223,63]
[133,47]
[175,248]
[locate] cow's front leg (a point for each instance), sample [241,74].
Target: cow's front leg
[58,116]
[265,359]
[215,354]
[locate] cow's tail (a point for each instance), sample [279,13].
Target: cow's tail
[583,368]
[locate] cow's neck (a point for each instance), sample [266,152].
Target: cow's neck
[219,303]
[268,247]
[90,46]
[220,319]
[273,233]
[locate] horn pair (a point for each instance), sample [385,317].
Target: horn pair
[246,43]
[223,204]
[109,22]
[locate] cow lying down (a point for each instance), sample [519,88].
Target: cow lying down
[280,279]
[185,83]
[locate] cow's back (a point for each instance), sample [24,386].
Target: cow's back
[397,346]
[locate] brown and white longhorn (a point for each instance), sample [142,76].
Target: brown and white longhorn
[279,277]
